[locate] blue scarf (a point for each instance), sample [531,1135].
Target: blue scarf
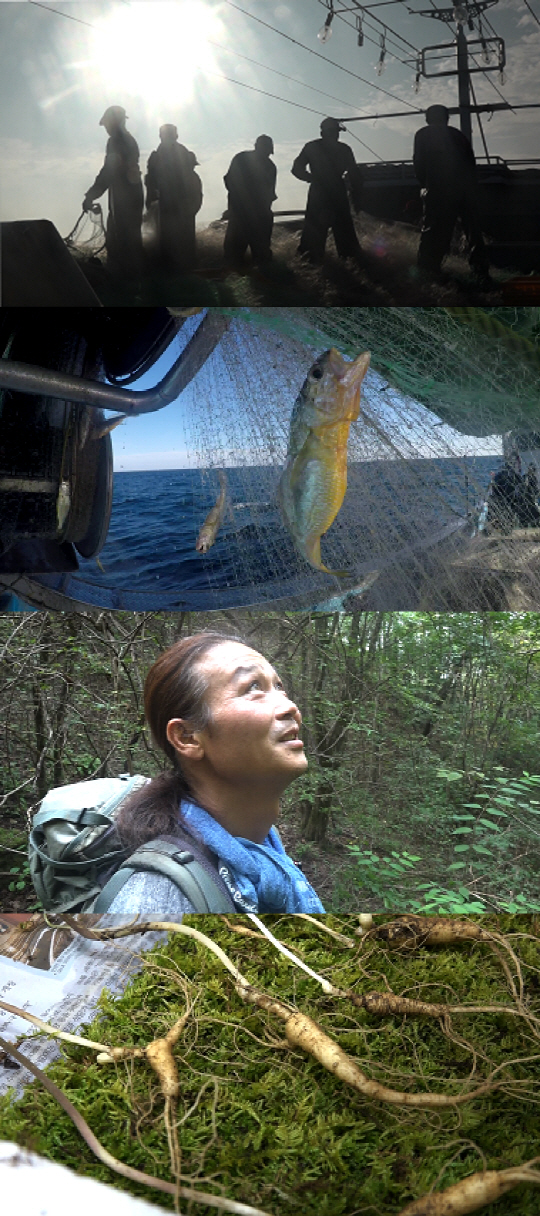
[260,877]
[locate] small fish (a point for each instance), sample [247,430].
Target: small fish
[343,602]
[109,426]
[214,519]
[63,504]
[313,484]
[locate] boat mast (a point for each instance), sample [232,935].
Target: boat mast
[464,84]
[462,13]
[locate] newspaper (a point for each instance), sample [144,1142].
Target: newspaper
[42,1188]
[66,995]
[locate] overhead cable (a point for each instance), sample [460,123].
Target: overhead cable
[324,58]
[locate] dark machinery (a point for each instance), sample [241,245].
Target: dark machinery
[58,368]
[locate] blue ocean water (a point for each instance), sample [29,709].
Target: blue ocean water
[149,559]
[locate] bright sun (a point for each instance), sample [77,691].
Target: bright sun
[154,48]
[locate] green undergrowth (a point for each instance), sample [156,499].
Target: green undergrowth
[271,1126]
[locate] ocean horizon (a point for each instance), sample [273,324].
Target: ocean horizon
[149,558]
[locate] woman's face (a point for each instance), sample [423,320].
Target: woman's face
[254,733]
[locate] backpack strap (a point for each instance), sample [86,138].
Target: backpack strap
[169,858]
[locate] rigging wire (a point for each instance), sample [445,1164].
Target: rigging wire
[258,64]
[533,14]
[449,25]
[375,41]
[292,79]
[324,58]
[275,97]
[480,124]
[36,4]
[364,9]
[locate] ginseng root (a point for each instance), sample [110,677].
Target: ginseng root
[301,1031]
[434,931]
[160,1057]
[409,932]
[380,1003]
[127,1171]
[472,1193]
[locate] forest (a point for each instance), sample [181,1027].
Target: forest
[421,729]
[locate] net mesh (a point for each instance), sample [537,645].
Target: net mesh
[477,369]
[410,529]
[87,239]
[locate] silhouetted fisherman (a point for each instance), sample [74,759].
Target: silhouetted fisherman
[121,176]
[172,183]
[530,514]
[251,186]
[532,479]
[445,166]
[506,497]
[332,173]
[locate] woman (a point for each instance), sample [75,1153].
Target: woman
[220,713]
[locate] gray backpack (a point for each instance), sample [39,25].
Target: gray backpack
[78,864]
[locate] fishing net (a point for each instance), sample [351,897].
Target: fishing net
[87,239]
[449,392]
[477,369]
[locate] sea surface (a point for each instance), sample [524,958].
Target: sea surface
[149,559]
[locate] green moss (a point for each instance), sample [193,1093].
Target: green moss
[288,1136]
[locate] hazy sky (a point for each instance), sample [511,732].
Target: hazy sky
[165,62]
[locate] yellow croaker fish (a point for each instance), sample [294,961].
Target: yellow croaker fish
[214,519]
[314,481]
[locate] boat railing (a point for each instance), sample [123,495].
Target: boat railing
[488,162]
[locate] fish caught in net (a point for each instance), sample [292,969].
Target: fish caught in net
[451,393]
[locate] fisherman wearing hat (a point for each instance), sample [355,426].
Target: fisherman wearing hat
[332,172]
[121,176]
[175,188]
[251,186]
[445,166]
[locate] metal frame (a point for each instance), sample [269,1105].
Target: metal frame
[451,46]
[41,382]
